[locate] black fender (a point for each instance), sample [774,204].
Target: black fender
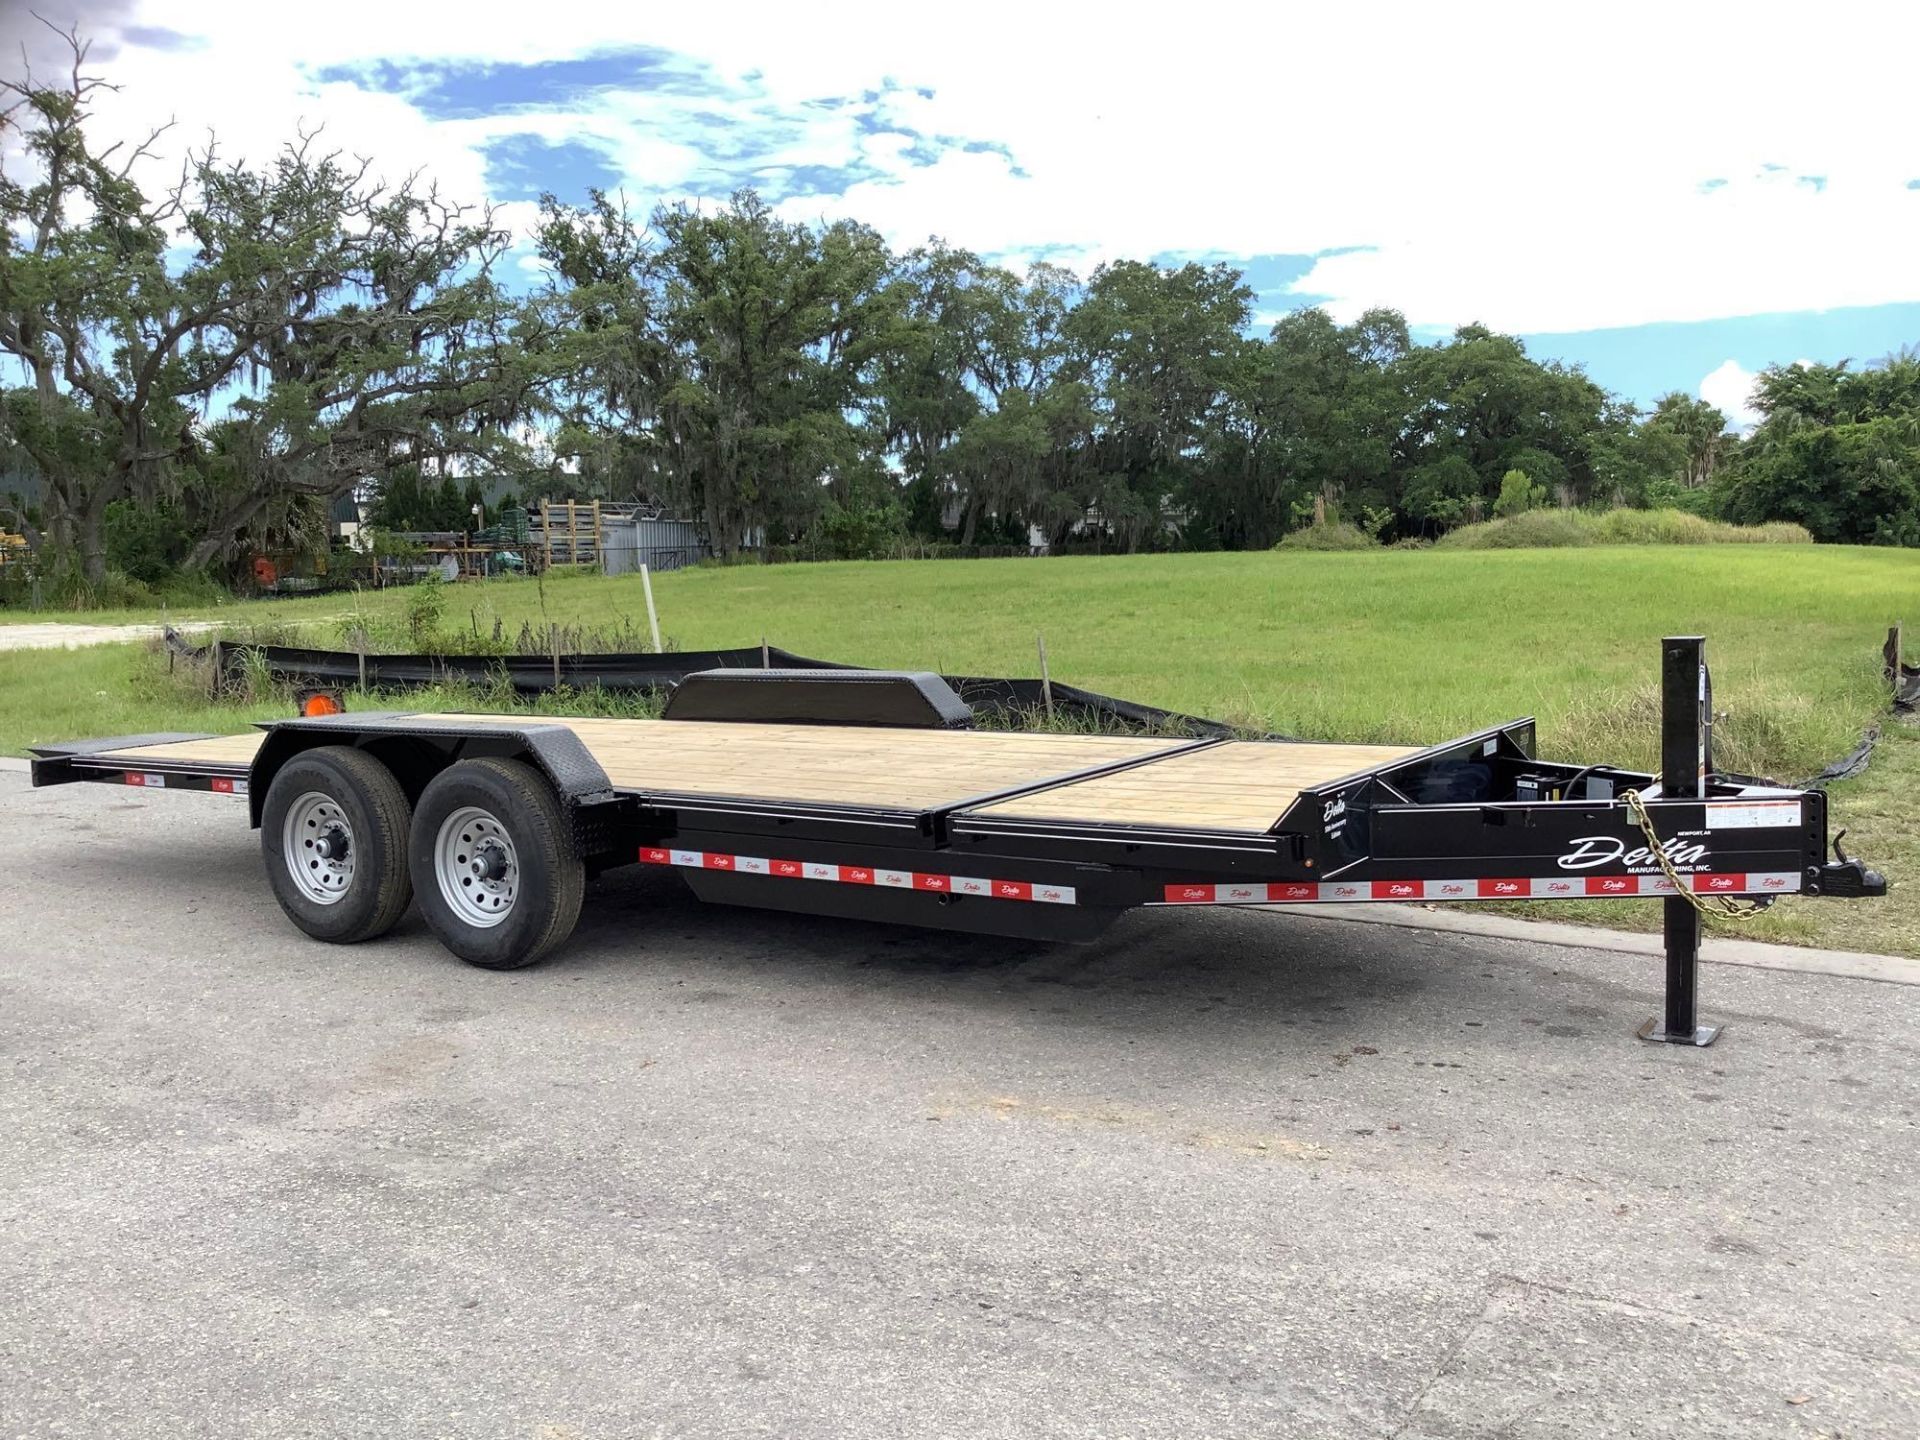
[416,750]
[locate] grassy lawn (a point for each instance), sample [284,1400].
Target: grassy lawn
[1397,646]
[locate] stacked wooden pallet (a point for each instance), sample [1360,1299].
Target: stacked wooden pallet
[565,532]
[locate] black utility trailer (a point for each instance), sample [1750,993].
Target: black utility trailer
[865,794]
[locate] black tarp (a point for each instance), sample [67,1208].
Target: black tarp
[631,674]
[997,696]
[528,674]
[1906,693]
[1848,765]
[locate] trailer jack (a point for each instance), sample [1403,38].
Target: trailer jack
[1680,1023]
[1686,759]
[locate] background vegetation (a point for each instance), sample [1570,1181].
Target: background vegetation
[194,375]
[1395,647]
[1369,646]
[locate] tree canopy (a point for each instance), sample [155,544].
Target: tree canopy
[245,346]
[1838,450]
[196,373]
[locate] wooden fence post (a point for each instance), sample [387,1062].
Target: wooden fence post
[653,619]
[1046,681]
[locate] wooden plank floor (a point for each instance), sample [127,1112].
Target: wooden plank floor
[228,750]
[828,764]
[1241,785]
[833,764]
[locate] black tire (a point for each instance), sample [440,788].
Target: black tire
[377,817]
[543,885]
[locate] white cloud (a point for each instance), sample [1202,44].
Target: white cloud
[1729,389]
[1536,169]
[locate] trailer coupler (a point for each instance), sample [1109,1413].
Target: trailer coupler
[1845,878]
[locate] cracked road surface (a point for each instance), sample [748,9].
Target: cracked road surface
[725,1173]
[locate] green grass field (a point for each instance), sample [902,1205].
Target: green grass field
[1396,646]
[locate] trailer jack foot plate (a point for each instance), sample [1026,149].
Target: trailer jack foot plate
[1700,1035]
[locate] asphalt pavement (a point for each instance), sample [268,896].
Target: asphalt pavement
[726,1173]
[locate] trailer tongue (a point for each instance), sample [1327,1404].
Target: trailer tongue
[772,798]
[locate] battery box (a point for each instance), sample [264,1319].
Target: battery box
[1530,786]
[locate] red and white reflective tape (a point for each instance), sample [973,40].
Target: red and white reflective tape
[986,889]
[219,784]
[1558,887]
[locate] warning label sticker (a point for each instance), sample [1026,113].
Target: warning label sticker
[1752,814]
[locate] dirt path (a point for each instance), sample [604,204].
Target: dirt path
[72,637]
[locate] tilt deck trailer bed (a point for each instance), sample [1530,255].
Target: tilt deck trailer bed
[858,793]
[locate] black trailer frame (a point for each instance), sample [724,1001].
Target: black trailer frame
[1442,824]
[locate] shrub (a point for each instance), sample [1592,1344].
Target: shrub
[1534,529]
[1653,527]
[1443,492]
[1677,527]
[1335,535]
[1375,520]
[146,541]
[1671,495]
[858,532]
[187,588]
[1518,494]
[426,602]
[1550,528]
[1854,484]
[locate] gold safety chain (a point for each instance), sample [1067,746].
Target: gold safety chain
[1721,905]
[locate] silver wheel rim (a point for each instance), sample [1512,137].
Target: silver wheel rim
[476,866]
[317,842]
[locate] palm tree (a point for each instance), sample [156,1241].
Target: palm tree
[1700,426]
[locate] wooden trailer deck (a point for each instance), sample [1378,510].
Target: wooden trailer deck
[1239,785]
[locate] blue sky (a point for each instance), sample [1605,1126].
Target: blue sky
[1592,187]
[1648,360]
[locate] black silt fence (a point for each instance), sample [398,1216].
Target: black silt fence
[644,674]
